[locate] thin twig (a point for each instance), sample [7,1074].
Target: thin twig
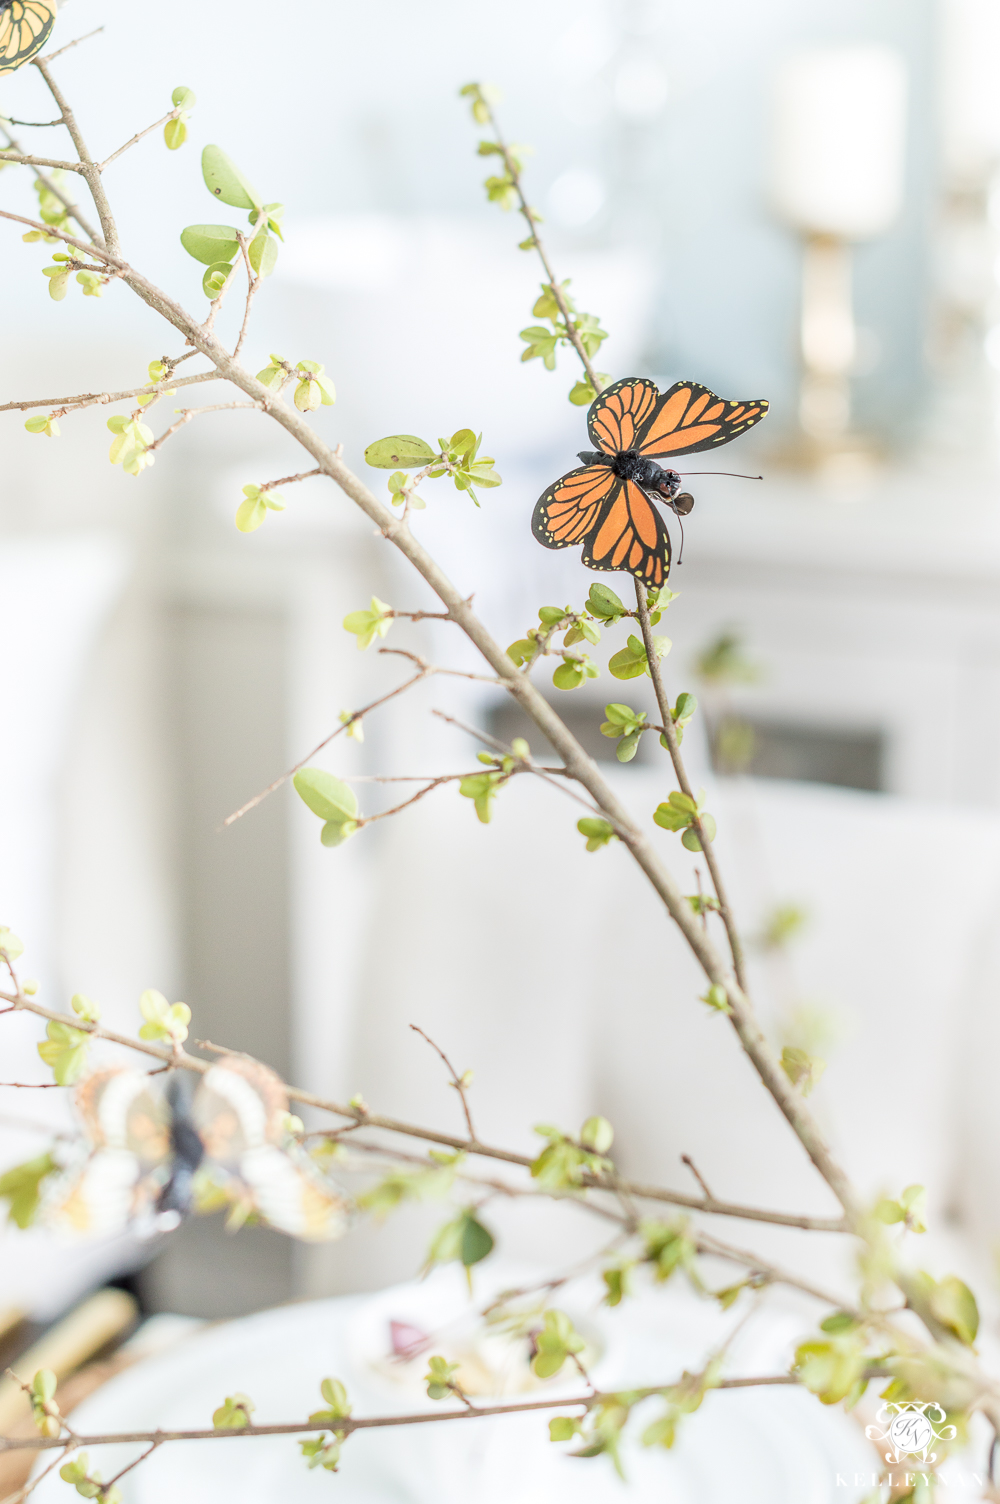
[349,1424]
[432,784]
[526,762]
[101,399]
[456,1080]
[32,1085]
[91,172]
[29,1488]
[687,1160]
[187,413]
[24,160]
[50,57]
[355,716]
[71,208]
[170,115]
[532,222]
[253,283]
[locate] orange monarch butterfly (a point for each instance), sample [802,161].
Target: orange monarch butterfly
[606,504]
[24,30]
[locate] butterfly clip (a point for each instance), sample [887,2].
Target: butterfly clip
[155,1153]
[607,504]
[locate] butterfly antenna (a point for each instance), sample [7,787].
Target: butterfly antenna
[680,524]
[734,473]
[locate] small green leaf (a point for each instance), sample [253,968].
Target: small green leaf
[263,254]
[691,839]
[401,449]
[250,514]
[598,832]
[563,1428]
[43,424]
[439,1378]
[163,1020]
[602,601]
[954,1305]
[367,625]
[716,998]
[597,1134]
[522,651]
[210,243]
[65,1050]
[630,662]
[325,795]
[224,180]
[235,1414]
[21,1185]
[802,1069]
[175,133]
[183,98]
[215,278]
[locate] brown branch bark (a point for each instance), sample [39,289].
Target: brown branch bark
[181,1059]
[91,171]
[349,1424]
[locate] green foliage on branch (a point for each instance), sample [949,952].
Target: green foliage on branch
[234,1414]
[564,1162]
[334,802]
[21,1188]
[681,812]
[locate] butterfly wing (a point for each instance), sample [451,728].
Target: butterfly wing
[630,535]
[620,412]
[689,418]
[240,1110]
[127,1127]
[615,521]
[24,29]
[571,508]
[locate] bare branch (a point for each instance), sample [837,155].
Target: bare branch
[170,115]
[91,172]
[187,413]
[180,1059]
[687,1160]
[50,57]
[100,399]
[71,208]
[355,716]
[532,223]
[456,1079]
[25,161]
[350,1424]
[253,285]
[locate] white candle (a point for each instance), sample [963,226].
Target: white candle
[839,136]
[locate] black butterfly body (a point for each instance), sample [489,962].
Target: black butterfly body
[629,464]
[606,504]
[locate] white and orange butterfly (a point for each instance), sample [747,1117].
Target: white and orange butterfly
[152,1156]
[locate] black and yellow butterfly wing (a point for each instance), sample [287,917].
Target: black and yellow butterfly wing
[689,418]
[570,509]
[617,524]
[24,29]
[620,413]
